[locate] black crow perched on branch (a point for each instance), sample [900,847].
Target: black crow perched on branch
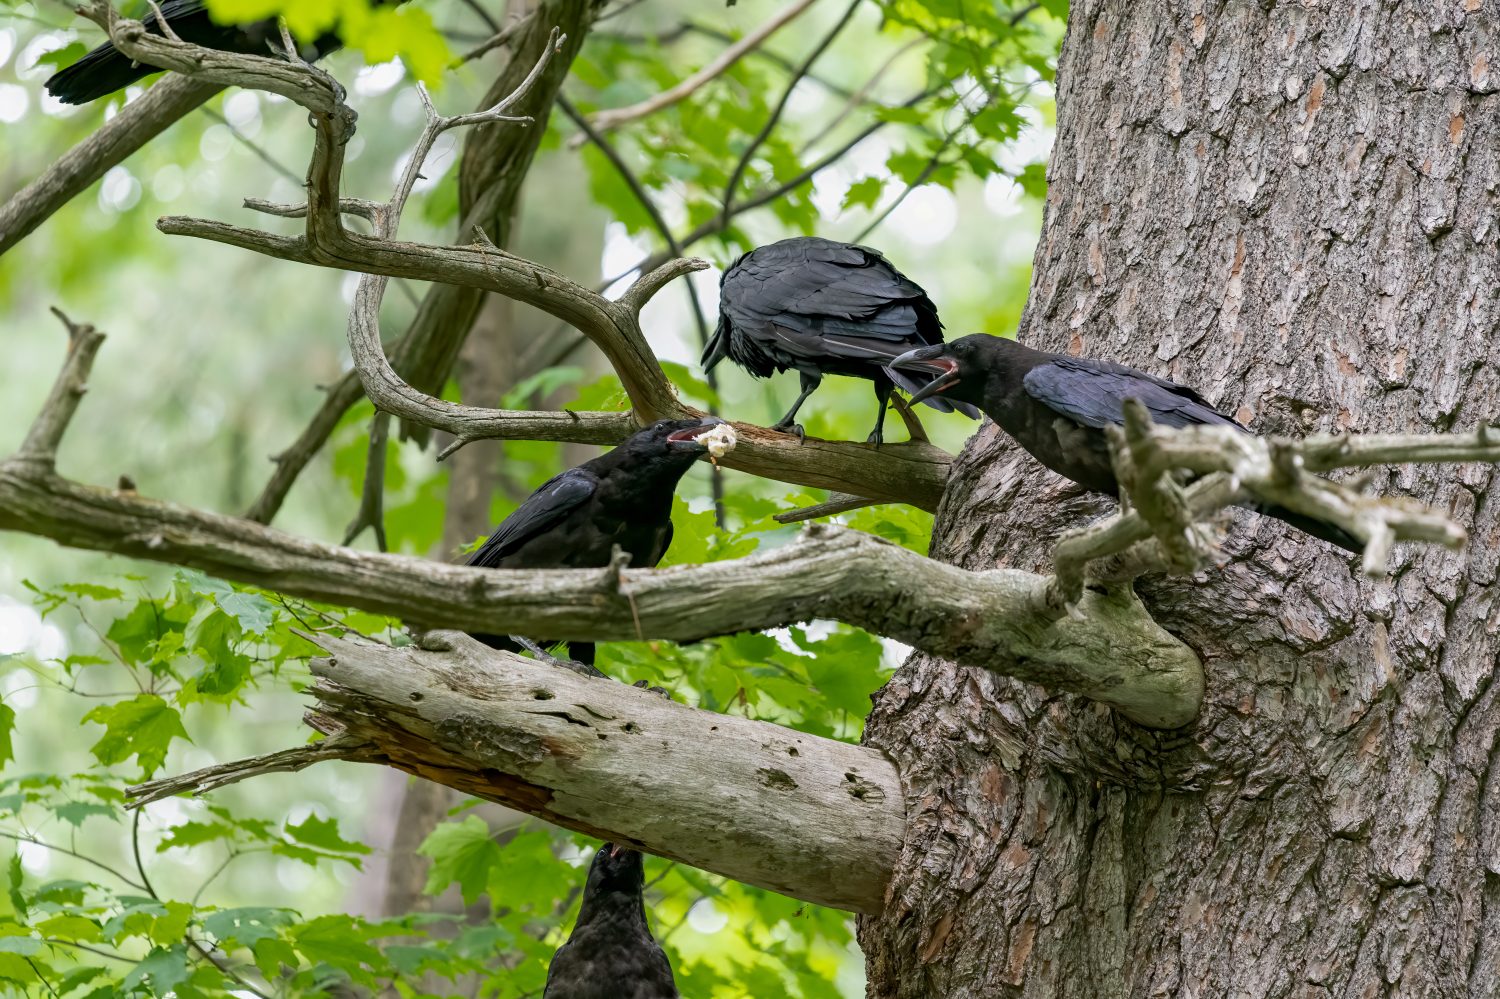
[106,69]
[576,519]
[1057,406]
[824,308]
[611,954]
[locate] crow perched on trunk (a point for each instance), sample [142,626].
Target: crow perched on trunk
[1056,407]
[824,308]
[575,520]
[106,69]
[611,954]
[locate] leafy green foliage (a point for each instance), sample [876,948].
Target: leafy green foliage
[381,32]
[158,668]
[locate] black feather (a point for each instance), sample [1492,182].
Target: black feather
[611,953]
[105,70]
[1057,408]
[821,307]
[576,519]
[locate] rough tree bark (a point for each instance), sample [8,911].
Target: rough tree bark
[1293,208]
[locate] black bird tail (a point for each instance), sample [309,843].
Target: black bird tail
[1321,530]
[717,347]
[98,74]
[911,383]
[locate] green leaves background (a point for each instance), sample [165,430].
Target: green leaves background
[122,671]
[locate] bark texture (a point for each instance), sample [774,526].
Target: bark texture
[1291,207]
[799,814]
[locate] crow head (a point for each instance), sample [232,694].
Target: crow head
[957,369]
[676,441]
[616,868]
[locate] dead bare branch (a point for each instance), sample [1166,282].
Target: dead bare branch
[753,801]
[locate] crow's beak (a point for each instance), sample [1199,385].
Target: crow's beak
[615,850]
[929,361]
[691,434]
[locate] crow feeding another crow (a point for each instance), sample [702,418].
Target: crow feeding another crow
[106,69]
[824,308]
[576,519]
[1057,406]
[611,953]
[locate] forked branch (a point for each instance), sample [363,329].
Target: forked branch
[912,472]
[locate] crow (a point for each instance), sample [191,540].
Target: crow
[576,519]
[1057,406]
[611,954]
[105,69]
[824,308]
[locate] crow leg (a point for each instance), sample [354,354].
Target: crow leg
[788,424]
[883,389]
[543,656]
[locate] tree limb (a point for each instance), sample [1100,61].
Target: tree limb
[913,472]
[41,443]
[809,817]
[137,123]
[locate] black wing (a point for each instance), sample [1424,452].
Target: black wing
[1093,393]
[819,286]
[542,511]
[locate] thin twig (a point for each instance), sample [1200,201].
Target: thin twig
[371,511]
[250,144]
[483,15]
[17,837]
[615,117]
[695,306]
[786,94]
[861,96]
[46,433]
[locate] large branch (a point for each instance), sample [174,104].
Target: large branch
[1108,648]
[492,171]
[137,123]
[809,817]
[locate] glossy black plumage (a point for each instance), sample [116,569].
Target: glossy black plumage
[1057,406]
[104,70]
[824,308]
[575,520]
[611,953]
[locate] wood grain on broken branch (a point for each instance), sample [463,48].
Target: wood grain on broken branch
[813,818]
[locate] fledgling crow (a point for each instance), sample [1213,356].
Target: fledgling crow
[1057,406]
[106,69]
[575,520]
[824,308]
[611,954]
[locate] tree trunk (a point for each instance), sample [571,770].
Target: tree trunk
[1291,207]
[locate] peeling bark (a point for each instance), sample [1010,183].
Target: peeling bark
[810,817]
[1291,207]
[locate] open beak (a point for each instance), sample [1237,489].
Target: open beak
[929,361]
[689,437]
[615,850]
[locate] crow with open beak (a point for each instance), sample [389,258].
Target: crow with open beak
[611,953]
[106,69]
[576,519]
[824,308]
[1057,406]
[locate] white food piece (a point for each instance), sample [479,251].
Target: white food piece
[719,441]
